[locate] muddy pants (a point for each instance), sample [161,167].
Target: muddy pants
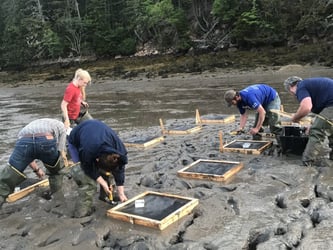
[272,119]
[321,133]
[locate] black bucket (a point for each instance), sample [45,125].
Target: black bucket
[293,140]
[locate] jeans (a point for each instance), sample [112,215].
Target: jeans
[28,149]
[272,119]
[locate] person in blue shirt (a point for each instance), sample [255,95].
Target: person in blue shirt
[261,98]
[315,95]
[99,150]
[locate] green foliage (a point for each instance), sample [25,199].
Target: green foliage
[253,28]
[226,10]
[51,43]
[33,30]
[127,46]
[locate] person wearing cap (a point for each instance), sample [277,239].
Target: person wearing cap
[261,98]
[314,95]
[99,149]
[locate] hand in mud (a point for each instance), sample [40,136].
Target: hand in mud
[122,197]
[237,132]
[254,131]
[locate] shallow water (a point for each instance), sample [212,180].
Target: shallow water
[128,104]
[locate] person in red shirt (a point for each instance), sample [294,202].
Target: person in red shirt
[73,99]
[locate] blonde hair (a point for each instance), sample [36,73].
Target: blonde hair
[82,74]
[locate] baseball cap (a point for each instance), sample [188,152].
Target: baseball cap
[291,81]
[229,96]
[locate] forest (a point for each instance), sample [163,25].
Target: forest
[40,30]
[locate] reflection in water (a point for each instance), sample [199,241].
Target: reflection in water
[129,104]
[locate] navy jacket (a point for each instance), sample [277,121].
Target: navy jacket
[92,138]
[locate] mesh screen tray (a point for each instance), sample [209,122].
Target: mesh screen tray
[212,170]
[156,210]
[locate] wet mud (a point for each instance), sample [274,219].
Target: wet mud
[272,203]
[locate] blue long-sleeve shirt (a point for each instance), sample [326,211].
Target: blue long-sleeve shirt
[92,138]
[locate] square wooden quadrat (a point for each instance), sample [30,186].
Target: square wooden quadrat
[138,142]
[245,146]
[153,209]
[212,170]
[213,118]
[179,130]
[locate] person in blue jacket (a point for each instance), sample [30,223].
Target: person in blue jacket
[315,95]
[99,150]
[261,98]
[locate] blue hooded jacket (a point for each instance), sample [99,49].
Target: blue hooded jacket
[92,138]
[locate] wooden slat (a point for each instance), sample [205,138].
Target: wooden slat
[303,121]
[25,191]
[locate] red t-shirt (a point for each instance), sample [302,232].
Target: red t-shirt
[73,96]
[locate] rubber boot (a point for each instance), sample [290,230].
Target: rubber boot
[56,178]
[10,177]
[86,189]
[315,155]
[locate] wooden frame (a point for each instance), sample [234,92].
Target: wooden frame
[267,135]
[147,142]
[219,173]
[179,131]
[25,191]
[304,121]
[218,120]
[244,150]
[128,211]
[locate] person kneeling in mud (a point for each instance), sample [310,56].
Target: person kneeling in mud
[99,150]
[42,139]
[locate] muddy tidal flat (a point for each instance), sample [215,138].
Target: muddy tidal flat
[273,202]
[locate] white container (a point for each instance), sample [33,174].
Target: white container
[68,131]
[247,145]
[140,203]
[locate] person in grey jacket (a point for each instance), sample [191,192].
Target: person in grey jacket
[43,139]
